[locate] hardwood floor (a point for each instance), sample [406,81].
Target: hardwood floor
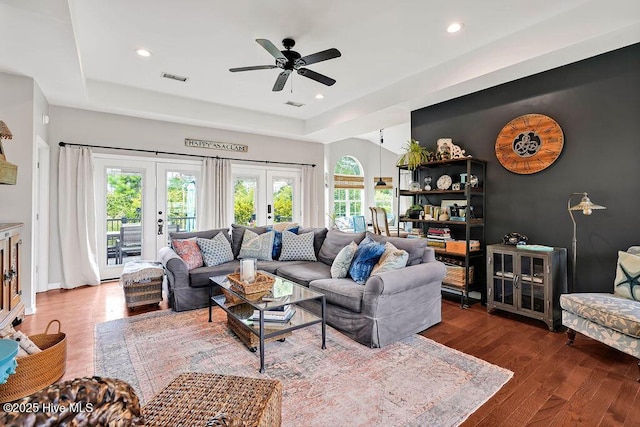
[585,384]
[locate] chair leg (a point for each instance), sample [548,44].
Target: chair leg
[571,334]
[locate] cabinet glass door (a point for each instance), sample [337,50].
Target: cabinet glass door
[532,283]
[503,277]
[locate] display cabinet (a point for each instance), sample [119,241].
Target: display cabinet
[527,282]
[11,306]
[452,196]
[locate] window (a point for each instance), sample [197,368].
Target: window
[348,187]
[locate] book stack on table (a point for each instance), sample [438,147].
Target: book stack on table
[279,315]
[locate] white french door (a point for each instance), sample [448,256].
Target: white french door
[266,196]
[138,202]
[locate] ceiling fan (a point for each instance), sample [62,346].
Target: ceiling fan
[289,60]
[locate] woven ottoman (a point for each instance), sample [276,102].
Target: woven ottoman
[196,399]
[142,283]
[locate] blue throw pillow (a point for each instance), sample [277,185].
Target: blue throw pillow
[367,256]
[277,240]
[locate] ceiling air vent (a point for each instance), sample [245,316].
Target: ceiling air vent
[174,77]
[294,104]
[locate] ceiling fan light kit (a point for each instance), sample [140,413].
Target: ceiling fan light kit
[289,60]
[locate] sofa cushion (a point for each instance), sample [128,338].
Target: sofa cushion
[611,311]
[273,266]
[237,233]
[297,247]
[342,262]
[258,246]
[188,250]
[334,242]
[215,251]
[277,239]
[199,277]
[415,247]
[367,255]
[391,259]
[304,272]
[341,292]
[319,234]
[627,281]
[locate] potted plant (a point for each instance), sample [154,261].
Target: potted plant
[414,155]
[414,211]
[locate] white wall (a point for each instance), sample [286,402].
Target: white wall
[21,109]
[368,154]
[94,128]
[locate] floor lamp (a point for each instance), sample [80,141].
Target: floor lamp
[587,208]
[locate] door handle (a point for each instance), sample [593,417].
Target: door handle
[160,223]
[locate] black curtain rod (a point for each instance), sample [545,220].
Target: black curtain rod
[139,150]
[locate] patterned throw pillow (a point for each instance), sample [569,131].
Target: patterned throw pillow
[277,239]
[391,259]
[189,251]
[627,281]
[258,246]
[215,251]
[340,265]
[297,247]
[367,255]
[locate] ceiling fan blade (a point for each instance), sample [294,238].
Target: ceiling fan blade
[255,67]
[318,56]
[305,72]
[280,82]
[272,49]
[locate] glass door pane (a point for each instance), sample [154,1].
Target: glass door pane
[245,193]
[123,215]
[181,201]
[282,189]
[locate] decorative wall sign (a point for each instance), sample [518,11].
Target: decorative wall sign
[227,146]
[529,143]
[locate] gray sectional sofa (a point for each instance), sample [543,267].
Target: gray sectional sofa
[388,307]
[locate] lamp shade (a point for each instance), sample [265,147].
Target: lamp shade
[5,133]
[586,206]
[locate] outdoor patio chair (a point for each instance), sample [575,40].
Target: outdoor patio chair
[130,242]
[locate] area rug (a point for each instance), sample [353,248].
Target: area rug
[413,382]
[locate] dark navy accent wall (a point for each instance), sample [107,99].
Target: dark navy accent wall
[596,102]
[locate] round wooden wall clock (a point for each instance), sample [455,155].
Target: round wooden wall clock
[529,143]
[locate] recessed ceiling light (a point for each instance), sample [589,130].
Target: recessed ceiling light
[319,96]
[454,27]
[143,52]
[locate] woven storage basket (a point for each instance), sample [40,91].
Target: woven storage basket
[455,276]
[39,370]
[263,283]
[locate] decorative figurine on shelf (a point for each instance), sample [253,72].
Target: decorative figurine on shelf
[427,182]
[448,150]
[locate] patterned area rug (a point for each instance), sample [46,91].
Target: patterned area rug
[414,382]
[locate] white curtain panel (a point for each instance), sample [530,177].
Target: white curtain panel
[215,194]
[310,198]
[77,218]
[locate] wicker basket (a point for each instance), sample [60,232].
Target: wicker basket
[455,276]
[263,283]
[39,370]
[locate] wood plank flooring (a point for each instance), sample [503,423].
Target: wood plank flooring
[586,384]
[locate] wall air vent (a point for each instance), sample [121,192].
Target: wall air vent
[294,104]
[174,77]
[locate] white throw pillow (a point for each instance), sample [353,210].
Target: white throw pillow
[627,281]
[258,246]
[297,247]
[215,251]
[392,259]
[342,262]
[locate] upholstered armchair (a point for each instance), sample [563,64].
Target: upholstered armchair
[611,318]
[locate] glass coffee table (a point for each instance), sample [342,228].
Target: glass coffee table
[240,310]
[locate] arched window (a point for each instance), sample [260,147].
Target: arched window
[348,186]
